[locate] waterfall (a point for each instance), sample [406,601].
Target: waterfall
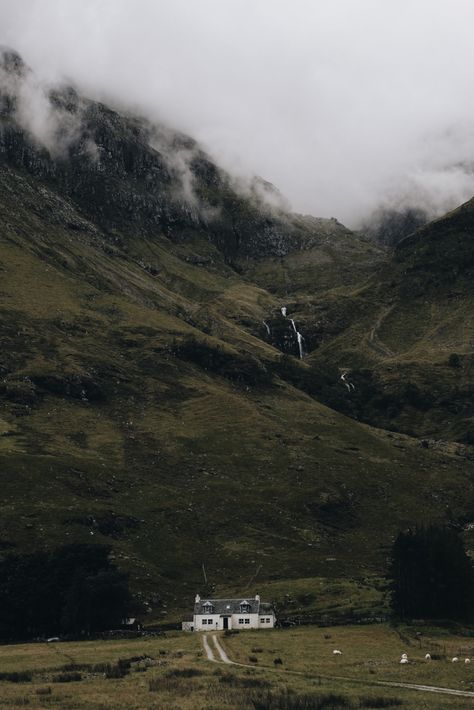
[299,337]
[300,344]
[350,386]
[267,327]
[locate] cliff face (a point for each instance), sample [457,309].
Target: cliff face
[127,174]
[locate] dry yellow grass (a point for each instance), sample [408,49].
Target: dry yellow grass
[180,677]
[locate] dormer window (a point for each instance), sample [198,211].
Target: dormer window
[207,608]
[244,607]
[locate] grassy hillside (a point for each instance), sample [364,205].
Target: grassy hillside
[117,427]
[143,402]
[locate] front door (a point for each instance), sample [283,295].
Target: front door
[225,623]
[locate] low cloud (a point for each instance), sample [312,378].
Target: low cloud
[36,107]
[342,105]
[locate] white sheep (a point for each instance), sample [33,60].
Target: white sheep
[428,657]
[467,660]
[404,660]
[455,659]
[336,652]
[404,655]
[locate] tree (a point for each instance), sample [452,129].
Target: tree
[431,575]
[73,589]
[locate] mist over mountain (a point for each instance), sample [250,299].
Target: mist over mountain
[345,106]
[194,374]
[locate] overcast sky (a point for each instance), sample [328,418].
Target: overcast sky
[340,103]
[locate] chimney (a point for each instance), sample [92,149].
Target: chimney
[257,597]
[197,599]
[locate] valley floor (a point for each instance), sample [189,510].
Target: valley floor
[174,672]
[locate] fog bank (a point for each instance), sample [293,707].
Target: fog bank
[343,105]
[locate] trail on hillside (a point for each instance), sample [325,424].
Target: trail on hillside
[373,339]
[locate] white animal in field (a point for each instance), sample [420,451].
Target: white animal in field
[467,660]
[336,652]
[404,660]
[455,659]
[404,655]
[428,657]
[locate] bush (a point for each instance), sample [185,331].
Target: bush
[115,670]
[253,659]
[43,691]
[17,676]
[67,677]
[287,700]
[454,360]
[234,680]
[184,673]
[380,702]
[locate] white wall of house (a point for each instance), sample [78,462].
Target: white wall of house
[207,622]
[215,622]
[266,621]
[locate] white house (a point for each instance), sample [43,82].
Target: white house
[242,613]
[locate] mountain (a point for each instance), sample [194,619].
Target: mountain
[389,225]
[408,335]
[152,395]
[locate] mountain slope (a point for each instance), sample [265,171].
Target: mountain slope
[143,402]
[408,334]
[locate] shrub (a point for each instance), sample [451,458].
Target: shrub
[454,360]
[380,702]
[67,677]
[43,691]
[184,673]
[286,700]
[253,659]
[234,680]
[17,676]
[115,671]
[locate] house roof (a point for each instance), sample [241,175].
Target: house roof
[227,606]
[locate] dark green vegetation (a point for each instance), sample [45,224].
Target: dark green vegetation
[71,590]
[144,403]
[431,575]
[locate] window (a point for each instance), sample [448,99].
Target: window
[247,621]
[262,620]
[241,621]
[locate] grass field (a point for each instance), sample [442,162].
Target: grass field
[171,672]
